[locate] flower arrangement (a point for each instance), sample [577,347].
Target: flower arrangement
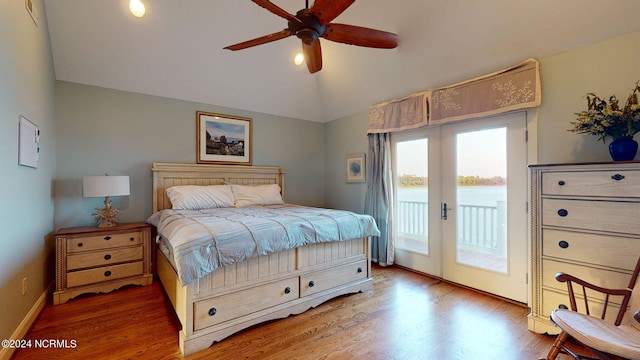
[606,119]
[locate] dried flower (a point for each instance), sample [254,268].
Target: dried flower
[606,119]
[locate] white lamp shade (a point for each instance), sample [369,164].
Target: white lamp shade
[99,186]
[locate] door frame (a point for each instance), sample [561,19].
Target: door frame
[405,257]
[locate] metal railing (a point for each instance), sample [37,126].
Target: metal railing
[481,228]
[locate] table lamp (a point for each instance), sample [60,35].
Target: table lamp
[99,186]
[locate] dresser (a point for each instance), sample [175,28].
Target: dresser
[99,260]
[585,221]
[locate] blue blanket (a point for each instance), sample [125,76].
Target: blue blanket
[203,240]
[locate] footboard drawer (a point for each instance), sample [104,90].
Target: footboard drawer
[226,307]
[327,279]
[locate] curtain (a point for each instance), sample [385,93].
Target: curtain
[379,196]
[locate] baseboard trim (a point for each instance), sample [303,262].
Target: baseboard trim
[27,322]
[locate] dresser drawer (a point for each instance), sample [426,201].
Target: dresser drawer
[323,280]
[104,257]
[603,278]
[603,250]
[619,217]
[226,307]
[103,241]
[616,183]
[553,300]
[106,273]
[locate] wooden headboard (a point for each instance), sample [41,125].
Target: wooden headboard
[166,175]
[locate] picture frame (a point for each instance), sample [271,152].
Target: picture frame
[223,139]
[355,168]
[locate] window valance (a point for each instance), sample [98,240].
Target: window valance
[396,115]
[514,88]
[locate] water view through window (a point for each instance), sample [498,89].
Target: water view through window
[481,195]
[481,220]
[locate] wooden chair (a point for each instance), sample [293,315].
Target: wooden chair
[618,340]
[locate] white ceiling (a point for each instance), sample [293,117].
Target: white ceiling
[176,49]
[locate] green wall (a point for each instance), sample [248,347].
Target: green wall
[26,211]
[607,68]
[122,133]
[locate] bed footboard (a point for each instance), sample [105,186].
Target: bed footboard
[264,288]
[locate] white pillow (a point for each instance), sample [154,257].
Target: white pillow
[257,195]
[198,197]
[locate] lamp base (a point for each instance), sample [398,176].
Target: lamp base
[107,216]
[108,223]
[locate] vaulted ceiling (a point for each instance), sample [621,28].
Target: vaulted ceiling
[176,49]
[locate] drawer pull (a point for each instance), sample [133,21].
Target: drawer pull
[563,244]
[563,212]
[80,244]
[107,273]
[287,290]
[561,182]
[359,269]
[312,283]
[107,237]
[212,311]
[107,257]
[563,306]
[617,177]
[131,238]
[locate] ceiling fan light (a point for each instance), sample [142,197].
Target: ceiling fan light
[137,8]
[299,59]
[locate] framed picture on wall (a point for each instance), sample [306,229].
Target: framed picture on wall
[355,168]
[223,139]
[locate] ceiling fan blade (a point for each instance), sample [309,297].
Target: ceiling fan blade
[313,56]
[261,40]
[327,10]
[276,10]
[360,36]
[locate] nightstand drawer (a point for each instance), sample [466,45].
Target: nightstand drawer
[105,257]
[103,241]
[616,183]
[106,273]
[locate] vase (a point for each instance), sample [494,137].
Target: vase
[623,148]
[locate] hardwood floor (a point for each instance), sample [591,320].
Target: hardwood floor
[405,316]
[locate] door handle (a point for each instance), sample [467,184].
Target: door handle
[443,211]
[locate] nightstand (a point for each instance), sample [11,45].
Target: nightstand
[99,260]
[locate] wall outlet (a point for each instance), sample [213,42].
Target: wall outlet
[24,286]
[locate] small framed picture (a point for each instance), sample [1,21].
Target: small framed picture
[223,139]
[355,168]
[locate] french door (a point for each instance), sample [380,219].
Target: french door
[460,211]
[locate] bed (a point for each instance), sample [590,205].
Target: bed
[265,287]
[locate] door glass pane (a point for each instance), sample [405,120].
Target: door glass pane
[481,192]
[412,194]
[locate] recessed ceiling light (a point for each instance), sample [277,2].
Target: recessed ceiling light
[137,8]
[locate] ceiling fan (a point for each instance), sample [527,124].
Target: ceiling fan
[310,24]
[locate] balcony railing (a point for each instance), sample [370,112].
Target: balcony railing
[480,228]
